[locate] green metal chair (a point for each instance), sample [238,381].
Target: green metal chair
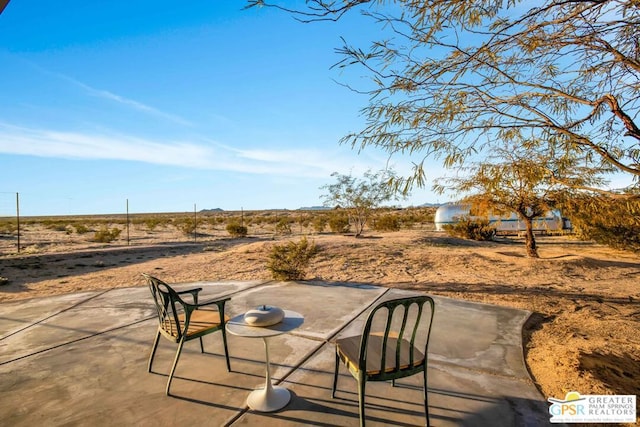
[180,321]
[398,350]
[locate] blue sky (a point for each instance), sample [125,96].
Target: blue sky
[171,104]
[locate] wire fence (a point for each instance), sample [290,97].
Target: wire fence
[46,234]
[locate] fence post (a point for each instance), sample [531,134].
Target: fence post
[18,218]
[127,222]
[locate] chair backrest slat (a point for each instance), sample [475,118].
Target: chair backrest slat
[400,336]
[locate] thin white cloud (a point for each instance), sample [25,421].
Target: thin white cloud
[210,155]
[110,96]
[133,104]
[47,143]
[319,163]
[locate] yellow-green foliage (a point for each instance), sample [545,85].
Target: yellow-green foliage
[104,235]
[187,226]
[81,228]
[339,222]
[388,222]
[319,222]
[474,229]
[290,261]
[152,223]
[236,230]
[56,225]
[8,226]
[283,226]
[613,222]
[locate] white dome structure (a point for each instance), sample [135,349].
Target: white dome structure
[449,214]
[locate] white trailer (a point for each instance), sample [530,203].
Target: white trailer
[551,222]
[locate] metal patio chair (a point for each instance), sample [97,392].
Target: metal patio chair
[180,321]
[398,350]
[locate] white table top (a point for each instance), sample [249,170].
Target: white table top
[291,321]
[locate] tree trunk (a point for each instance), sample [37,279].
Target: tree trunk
[530,240]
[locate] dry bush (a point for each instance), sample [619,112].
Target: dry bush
[291,260]
[237,230]
[474,229]
[283,227]
[104,235]
[339,223]
[319,223]
[388,222]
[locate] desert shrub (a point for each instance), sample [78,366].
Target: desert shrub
[104,235]
[338,223]
[387,222]
[56,226]
[304,220]
[319,223]
[475,229]
[211,220]
[251,218]
[81,228]
[290,261]
[8,227]
[407,222]
[187,226]
[236,230]
[283,226]
[152,223]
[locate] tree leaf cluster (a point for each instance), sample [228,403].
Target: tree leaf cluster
[453,78]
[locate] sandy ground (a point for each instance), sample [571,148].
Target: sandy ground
[583,334]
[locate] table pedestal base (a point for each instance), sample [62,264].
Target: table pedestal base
[268,399]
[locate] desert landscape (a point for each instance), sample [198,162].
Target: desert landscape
[584,297]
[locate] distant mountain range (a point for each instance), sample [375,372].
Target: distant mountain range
[315,208]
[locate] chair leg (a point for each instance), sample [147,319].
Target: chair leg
[226,348]
[335,377]
[201,345]
[153,351]
[426,398]
[175,363]
[362,382]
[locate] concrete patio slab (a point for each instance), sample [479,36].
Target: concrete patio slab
[81,359]
[29,324]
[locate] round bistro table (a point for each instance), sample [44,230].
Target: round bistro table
[269,398]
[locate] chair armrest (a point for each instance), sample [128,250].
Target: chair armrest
[219,303]
[193,292]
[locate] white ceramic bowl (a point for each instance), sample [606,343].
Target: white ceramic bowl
[264,315]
